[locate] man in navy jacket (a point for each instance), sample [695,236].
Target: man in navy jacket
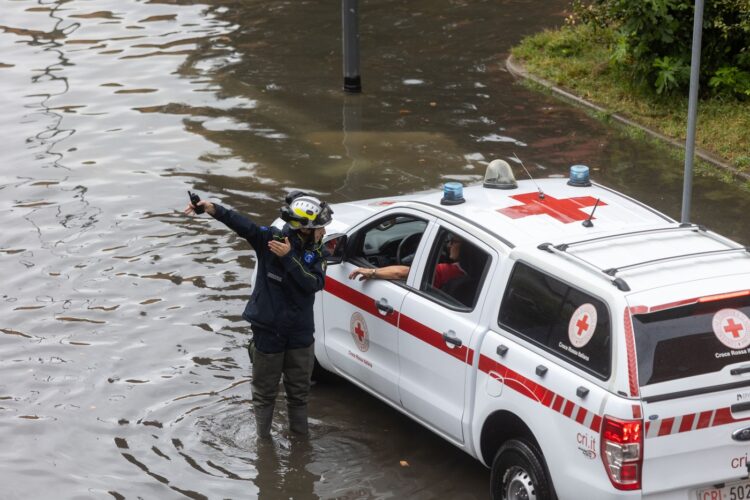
[291,269]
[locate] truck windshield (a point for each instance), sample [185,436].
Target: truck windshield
[690,340]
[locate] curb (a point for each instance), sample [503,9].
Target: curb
[517,70]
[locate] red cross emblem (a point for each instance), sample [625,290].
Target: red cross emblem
[358,328]
[566,210]
[582,324]
[358,331]
[733,328]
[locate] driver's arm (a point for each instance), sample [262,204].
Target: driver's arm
[383,273]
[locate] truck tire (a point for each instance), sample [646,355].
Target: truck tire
[518,473]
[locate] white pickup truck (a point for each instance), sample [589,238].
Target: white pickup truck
[590,346]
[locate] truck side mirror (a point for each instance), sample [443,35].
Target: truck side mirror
[335,245]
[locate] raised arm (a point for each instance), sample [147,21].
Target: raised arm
[235,221]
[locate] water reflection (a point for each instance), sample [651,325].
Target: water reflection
[51,41]
[121,332]
[284,473]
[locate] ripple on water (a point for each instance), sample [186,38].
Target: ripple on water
[121,342]
[182,458]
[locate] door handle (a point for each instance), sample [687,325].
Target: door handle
[450,337]
[383,306]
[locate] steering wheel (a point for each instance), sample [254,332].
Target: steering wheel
[405,247]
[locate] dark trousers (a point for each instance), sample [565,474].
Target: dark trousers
[295,365]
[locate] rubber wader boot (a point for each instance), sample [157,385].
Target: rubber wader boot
[265,385]
[298,365]
[263,419]
[298,419]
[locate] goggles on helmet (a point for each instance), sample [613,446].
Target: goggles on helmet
[304,211]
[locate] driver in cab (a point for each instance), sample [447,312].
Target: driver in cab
[444,271]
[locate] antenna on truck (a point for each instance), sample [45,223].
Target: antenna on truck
[541,193]
[587,222]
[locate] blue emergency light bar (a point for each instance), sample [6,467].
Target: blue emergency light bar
[579,176]
[453,193]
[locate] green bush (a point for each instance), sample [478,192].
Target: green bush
[653,41]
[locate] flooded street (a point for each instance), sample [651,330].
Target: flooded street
[123,369]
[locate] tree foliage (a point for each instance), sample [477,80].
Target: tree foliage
[653,41]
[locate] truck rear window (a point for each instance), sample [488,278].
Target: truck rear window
[691,340]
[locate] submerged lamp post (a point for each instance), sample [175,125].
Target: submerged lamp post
[350,42]
[695,65]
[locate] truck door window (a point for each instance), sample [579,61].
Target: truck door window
[455,271]
[691,340]
[391,240]
[562,319]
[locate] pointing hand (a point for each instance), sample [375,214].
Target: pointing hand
[207,205]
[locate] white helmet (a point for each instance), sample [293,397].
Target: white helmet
[304,211]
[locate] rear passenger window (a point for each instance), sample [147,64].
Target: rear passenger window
[563,320]
[691,340]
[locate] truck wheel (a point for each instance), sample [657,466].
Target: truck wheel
[518,473]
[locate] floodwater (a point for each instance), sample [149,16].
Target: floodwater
[123,372]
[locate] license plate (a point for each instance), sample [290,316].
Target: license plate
[731,491]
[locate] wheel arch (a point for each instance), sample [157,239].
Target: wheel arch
[500,427]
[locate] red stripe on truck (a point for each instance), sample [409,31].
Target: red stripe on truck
[431,337]
[723,416]
[539,393]
[704,420]
[687,423]
[359,300]
[547,401]
[558,402]
[666,426]
[637,414]
[529,388]
[568,411]
[405,323]
[596,423]
[694,422]
[513,380]
[581,417]
[630,348]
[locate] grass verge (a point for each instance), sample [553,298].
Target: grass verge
[577,59]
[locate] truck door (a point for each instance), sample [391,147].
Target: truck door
[694,377]
[546,360]
[436,326]
[361,317]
